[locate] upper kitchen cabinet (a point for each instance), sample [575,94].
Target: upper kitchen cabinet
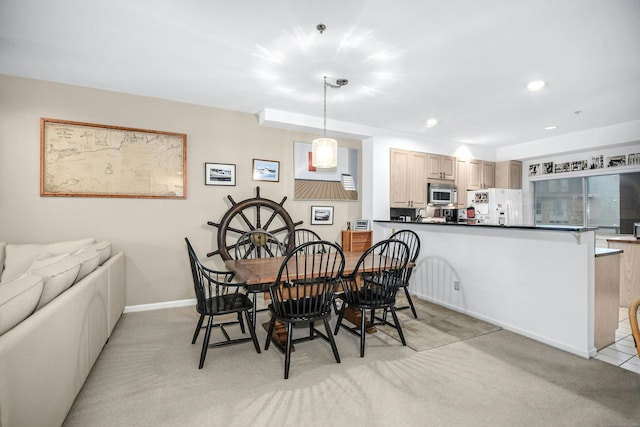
[441,167]
[509,174]
[481,174]
[408,183]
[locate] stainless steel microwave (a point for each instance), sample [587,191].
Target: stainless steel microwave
[442,194]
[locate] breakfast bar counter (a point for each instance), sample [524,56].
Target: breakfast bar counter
[535,281]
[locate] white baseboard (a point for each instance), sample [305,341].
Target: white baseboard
[159,305]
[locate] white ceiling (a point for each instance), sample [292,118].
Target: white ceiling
[465,62]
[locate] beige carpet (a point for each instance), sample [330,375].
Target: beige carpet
[147,375]
[435,326]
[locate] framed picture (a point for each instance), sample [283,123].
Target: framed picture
[219,174]
[312,183]
[266,170]
[322,215]
[361,224]
[92,160]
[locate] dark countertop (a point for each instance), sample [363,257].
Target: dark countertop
[512,227]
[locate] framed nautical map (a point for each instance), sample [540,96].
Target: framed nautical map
[91,160]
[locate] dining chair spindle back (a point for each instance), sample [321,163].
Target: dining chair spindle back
[215,296]
[304,291]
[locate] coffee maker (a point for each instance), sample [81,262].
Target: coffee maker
[450,215]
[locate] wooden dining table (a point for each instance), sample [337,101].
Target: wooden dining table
[263,271]
[259,272]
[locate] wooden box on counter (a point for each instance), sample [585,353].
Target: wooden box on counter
[356,240]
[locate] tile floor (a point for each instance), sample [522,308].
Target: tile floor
[623,352]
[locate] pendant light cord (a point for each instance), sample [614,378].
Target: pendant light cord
[325,106]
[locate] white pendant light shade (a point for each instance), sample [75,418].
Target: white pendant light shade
[324,153]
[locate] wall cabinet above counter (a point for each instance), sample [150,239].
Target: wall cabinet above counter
[408,179]
[441,167]
[411,170]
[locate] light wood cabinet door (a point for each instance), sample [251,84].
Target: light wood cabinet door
[440,167]
[408,184]
[509,174]
[488,174]
[462,181]
[481,174]
[474,174]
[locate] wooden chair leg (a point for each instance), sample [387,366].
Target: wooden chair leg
[334,347]
[205,343]
[252,331]
[340,317]
[398,327]
[198,327]
[413,309]
[287,356]
[272,324]
[363,331]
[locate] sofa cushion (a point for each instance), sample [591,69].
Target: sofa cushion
[58,272]
[89,260]
[18,299]
[103,248]
[18,257]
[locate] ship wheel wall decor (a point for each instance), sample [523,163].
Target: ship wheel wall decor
[248,215]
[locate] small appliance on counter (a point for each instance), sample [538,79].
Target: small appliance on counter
[450,215]
[636,230]
[467,215]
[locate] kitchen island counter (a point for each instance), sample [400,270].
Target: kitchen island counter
[535,281]
[505,227]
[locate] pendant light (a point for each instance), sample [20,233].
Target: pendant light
[324,151]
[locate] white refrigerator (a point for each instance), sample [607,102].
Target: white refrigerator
[496,206]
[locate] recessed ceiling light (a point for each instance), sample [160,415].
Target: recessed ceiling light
[551,127]
[535,85]
[432,122]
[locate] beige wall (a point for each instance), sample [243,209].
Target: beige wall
[150,232]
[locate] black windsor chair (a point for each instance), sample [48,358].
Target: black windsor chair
[299,236]
[216,297]
[304,291]
[257,244]
[373,285]
[413,242]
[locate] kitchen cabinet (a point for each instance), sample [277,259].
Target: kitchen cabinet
[481,174]
[629,267]
[509,174]
[356,240]
[440,167]
[462,181]
[408,182]
[472,174]
[606,295]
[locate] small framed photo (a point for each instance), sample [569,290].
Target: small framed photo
[361,224]
[322,215]
[266,170]
[219,174]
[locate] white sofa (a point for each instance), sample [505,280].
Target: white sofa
[59,303]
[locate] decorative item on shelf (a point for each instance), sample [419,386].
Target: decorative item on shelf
[361,224]
[325,150]
[615,161]
[348,225]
